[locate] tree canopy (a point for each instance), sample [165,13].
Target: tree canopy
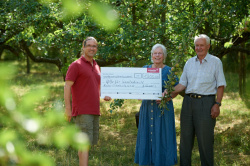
[52,31]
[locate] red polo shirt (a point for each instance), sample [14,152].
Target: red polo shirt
[86,87]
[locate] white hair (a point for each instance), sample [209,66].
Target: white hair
[202,36]
[163,49]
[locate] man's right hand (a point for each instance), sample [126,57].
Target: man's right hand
[68,114]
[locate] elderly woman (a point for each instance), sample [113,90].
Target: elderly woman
[156,137]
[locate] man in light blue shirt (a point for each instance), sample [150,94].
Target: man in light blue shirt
[204,81]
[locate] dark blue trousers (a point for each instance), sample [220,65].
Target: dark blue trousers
[196,121]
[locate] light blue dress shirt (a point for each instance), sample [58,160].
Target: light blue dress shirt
[203,78]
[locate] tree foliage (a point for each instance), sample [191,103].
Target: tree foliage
[53,31]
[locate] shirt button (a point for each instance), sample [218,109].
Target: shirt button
[151,125]
[151,118]
[151,133]
[151,110]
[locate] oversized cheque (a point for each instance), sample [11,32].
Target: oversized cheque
[131,83]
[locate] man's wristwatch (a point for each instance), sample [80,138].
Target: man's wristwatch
[218,103]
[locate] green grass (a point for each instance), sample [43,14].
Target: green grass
[118,129]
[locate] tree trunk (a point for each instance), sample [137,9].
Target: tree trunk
[28,64]
[55,61]
[134,14]
[1,52]
[242,73]
[65,62]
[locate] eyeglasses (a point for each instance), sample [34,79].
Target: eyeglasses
[157,53]
[92,46]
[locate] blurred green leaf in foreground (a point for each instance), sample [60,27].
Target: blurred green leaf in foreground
[19,121]
[104,15]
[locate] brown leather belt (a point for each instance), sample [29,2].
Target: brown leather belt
[197,96]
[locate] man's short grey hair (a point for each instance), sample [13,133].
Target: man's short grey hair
[202,36]
[163,49]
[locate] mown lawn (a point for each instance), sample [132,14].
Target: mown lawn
[118,130]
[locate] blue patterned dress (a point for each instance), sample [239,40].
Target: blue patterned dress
[156,137]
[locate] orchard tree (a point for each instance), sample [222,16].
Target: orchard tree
[52,31]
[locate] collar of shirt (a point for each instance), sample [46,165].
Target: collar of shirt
[207,57]
[85,60]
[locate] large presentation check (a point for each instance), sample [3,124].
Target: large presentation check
[131,83]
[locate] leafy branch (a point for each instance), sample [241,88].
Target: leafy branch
[173,76]
[169,86]
[115,104]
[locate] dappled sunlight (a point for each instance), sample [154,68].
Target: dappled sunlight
[106,129]
[231,95]
[118,130]
[222,127]
[20,91]
[233,144]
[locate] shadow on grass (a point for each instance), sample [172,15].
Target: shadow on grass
[232,145]
[40,73]
[232,87]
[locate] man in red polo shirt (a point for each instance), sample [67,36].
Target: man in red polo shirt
[83,83]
